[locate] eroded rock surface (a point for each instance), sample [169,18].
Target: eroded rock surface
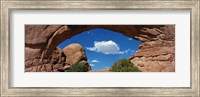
[74,53]
[60,60]
[156,53]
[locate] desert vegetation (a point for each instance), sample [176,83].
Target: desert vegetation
[124,65]
[79,67]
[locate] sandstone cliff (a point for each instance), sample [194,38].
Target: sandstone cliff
[157,52]
[60,60]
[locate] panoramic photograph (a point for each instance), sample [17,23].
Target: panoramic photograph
[99,48]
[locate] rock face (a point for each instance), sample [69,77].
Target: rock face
[54,62]
[59,60]
[155,54]
[74,53]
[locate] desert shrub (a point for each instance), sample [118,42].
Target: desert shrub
[124,65]
[79,67]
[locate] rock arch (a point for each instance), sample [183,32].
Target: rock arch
[156,53]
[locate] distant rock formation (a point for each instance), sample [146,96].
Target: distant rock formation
[155,54]
[74,53]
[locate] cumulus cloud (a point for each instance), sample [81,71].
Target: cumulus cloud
[94,61]
[107,47]
[91,48]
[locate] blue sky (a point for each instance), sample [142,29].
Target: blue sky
[104,47]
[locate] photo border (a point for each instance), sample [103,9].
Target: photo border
[7,6]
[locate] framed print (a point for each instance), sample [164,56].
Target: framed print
[100,48]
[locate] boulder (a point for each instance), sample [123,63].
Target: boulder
[74,53]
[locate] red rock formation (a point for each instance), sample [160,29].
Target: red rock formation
[74,53]
[156,52]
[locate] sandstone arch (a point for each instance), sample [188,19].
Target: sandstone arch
[156,52]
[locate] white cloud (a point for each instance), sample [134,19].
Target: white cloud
[107,47]
[127,51]
[94,61]
[91,48]
[92,64]
[130,39]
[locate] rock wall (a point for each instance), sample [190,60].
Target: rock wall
[156,52]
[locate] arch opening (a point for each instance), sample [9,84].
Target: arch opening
[103,47]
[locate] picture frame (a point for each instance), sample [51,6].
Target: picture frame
[7,6]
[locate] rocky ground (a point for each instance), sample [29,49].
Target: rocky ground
[102,70]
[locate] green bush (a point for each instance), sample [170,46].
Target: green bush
[124,65]
[79,67]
